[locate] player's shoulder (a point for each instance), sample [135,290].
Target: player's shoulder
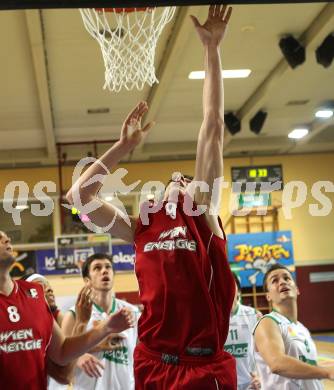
[71,310]
[25,286]
[248,315]
[272,318]
[276,317]
[247,310]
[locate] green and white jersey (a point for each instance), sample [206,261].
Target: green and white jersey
[240,343]
[118,364]
[298,344]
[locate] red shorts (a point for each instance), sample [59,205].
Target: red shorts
[216,372]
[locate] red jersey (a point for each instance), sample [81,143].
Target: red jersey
[185,284]
[25,332]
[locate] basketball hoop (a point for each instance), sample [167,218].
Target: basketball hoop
[128,39]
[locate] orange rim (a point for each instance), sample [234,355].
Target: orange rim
[121,10]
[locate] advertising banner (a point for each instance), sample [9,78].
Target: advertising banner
[47,264]
[123,258]
[252,254]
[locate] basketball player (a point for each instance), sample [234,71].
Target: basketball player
[28,332]
[56,374]
[240,341]
[285,354]
[186,286]
[49,295]
[110,365]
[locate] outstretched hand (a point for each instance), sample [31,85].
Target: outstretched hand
[132,131]
[213,30]
[120,321]
[255,384]
[83,306]
[90,365]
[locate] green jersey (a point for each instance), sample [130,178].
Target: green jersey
[118,364]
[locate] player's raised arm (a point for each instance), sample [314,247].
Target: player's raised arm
[209,158]
[87,187]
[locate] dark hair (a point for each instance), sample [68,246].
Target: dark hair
[96,256]
[237,281]
[274,267]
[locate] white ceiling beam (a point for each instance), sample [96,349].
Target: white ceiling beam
[174,50]
[37,46]
[256,101]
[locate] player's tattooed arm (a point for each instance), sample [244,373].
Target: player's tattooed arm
[88,185]
[209,162]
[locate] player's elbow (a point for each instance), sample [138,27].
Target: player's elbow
[276,365]
[63,379]
[214,120]
[60,360]
[69,196]
[75,192]
[60,369]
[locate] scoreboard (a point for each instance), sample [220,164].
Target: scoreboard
[257,174]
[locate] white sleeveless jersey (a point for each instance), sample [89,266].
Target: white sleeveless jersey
[118,364]
[239,342]
[298,344]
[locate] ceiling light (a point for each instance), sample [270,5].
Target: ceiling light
[108,198]
[236,73]
[227,74]
[324,114]
[22,207]
[298,133]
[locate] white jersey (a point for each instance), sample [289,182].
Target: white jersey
[118,364]
[298,344]
[240,343]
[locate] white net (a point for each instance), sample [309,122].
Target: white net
[128,41]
